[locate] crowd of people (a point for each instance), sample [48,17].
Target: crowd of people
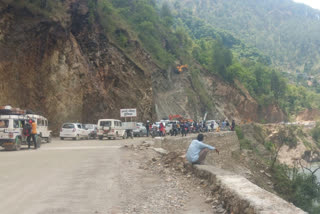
[186,127]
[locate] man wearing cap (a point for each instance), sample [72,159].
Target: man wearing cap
[198,150]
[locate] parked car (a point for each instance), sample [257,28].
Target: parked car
[76,131]
[140,130]
[110,128]
[92,129]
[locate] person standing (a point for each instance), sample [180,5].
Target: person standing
[147,127]
[227,125]
[162,129]
[33,134]
[27,131]
[198,150]
[233,125]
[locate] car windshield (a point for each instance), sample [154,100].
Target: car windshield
[105,123]
[4,123]
[68,126]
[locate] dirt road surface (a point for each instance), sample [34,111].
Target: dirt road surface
[90,176]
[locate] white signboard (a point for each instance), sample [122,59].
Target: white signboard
[132,112]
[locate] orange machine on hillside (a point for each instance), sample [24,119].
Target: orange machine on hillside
[182,68]
[175,117]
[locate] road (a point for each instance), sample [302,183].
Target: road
[84,177]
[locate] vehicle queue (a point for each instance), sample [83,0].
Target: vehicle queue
[13,134]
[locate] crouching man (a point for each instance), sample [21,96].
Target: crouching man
[198,150]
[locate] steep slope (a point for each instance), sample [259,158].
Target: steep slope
[198,91]
[68,73]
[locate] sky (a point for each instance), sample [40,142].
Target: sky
[312,3]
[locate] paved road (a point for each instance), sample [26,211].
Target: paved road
[61,177]
[70,177]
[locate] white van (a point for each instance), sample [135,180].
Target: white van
[111,128]
[42,126]
[11,136]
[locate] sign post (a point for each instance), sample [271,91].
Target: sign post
[132,112]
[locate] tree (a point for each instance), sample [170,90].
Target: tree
[166,15]
[221,60]
[278,85]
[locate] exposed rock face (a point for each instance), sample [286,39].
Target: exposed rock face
[67,73]
[178,94]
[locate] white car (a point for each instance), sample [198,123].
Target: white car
[140,130]
[92,129]
[215,125]
[76,131]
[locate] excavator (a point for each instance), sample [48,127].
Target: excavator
[182,68]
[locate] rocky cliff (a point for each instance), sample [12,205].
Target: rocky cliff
[67,73]
[68,69]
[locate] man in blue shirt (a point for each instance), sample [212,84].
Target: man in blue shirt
[198,150]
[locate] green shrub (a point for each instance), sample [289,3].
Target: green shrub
[239,132]
[315,133]
[269,146]
[246,144]
[299,188]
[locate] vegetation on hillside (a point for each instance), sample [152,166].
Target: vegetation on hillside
[170,36]
[284,30]
[297,185]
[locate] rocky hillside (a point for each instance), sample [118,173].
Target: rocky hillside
[68,73]
[68,68]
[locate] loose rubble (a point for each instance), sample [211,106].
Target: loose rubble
[178,185]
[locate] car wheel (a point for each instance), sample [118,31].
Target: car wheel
[61,138]
[100,137]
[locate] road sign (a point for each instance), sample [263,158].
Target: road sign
[132,112]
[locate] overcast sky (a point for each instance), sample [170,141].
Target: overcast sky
[312,3]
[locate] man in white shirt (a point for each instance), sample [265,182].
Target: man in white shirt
[198,150]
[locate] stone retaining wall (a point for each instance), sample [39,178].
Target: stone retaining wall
[240,196]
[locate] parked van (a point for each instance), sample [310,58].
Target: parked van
[42,126]
[11,136]
[111,128]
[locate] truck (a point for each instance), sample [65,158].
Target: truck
[113,128]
